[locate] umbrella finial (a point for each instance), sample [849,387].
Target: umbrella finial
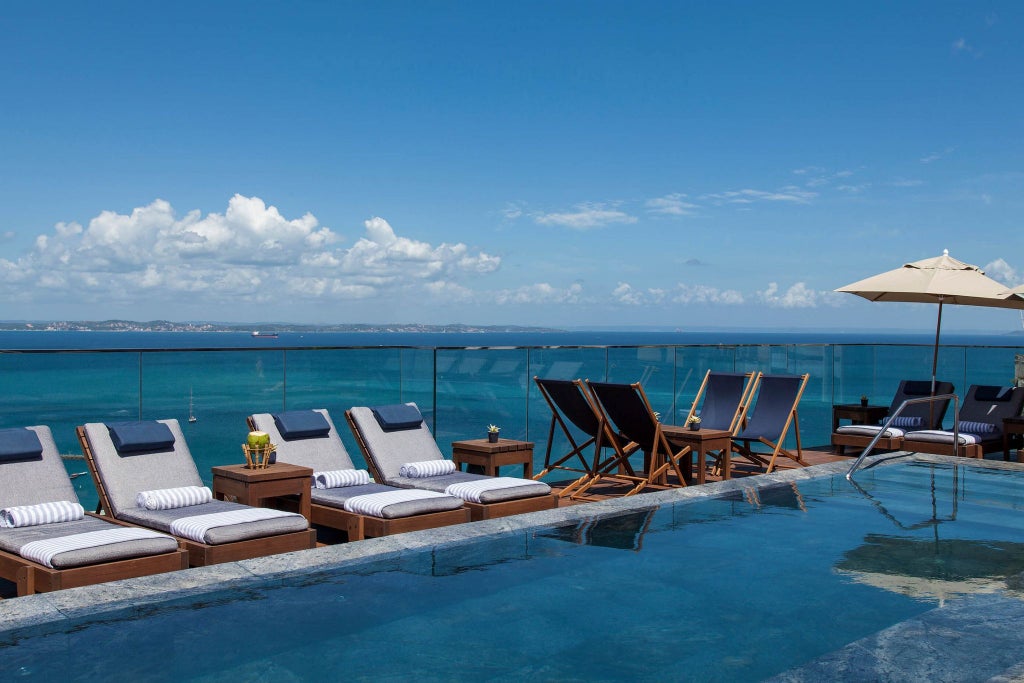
[945,252]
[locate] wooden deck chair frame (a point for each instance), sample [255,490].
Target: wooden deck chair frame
[602,438]
[30,577]
[768,460]
[202,554]
[478,511]
[739,415]
[359,527]
[658,462]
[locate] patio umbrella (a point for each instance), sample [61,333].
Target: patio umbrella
[940,280]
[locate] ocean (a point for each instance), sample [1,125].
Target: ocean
[461,381]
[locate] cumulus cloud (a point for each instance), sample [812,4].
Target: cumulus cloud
[249,253]
[670,205]
[798,295]
[540,293]
[586,216]
[702,294]
[1003,272]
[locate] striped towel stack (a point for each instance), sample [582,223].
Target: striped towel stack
[169,499]
[471,490]
[43,513]
[195,528]
[336,479]
[44,551]
[373,504]
[426,468]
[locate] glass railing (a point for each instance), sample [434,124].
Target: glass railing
[459,390]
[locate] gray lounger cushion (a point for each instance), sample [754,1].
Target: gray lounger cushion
[30,482]
[336,498]
[12,540]
[390,450]
[162,520]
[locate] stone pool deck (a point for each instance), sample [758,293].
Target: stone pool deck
[969,634]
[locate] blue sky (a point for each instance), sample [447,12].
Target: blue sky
[560,163]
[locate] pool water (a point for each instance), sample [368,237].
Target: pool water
[741,587]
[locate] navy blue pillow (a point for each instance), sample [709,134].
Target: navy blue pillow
[301,424]
[397,417]
[993,393]
[139,437]
[917,388]
[19,444]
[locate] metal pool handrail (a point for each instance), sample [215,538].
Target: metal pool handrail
[909,401]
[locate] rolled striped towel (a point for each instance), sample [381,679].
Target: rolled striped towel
[336,479]
[373,504]
[195,527]
[941,436]
[870,430]
[43,513]
[426,468]
[45,550]
[169,499]
[471,490]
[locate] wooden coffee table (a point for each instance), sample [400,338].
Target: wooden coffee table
[252,487]
[702,441]
[490,456]
[1012,426]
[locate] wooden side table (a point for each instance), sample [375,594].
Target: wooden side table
[858,414]
[1012,426]
[252,487]
[702,441]
[490,456]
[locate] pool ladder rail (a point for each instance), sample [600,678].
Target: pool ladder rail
[889,420]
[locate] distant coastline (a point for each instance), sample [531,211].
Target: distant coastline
[263,328]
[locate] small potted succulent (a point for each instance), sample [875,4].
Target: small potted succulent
[693,422]
[493,432]
[864,400]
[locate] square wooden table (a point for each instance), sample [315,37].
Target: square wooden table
[253,486]
[702,441]
[490,456]
[858,414]
[1012,426]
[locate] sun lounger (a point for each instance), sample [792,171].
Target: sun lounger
[126,459]
[769,421]
[981,424]
[914,417]
[396,511]
[42,553]
[392,438]
[627,411]
[571,404]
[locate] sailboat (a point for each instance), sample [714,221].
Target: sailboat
[191,413]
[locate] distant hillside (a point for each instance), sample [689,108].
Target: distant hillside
[168,326]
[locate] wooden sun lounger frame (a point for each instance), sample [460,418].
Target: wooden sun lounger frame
[478,511]
[793,420]
[31,577]
[359,527]
[203,554]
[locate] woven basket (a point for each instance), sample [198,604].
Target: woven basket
[258,457]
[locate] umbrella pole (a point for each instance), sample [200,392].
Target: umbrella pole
[935,353]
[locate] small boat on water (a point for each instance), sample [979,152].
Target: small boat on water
[191,413]
[266,335]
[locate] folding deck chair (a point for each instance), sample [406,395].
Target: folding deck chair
[43,554]
[981,424]
[570,403]
[151,457]
[397,444]
[360,509]
[724,398]
[768,423]
[627,411]
[915,416]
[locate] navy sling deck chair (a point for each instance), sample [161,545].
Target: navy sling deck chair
[571,404]
[722,401]
[626,409]
[774,411]
[915,416]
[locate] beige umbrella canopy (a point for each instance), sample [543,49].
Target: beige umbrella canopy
[940,280]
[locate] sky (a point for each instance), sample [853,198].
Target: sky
[564,164]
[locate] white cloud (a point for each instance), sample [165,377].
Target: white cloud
[702,294]
[586,216]
[249,253]
[798,295]
[625,293]
[787,194]
[960,45]
[541,293]
[670,205]
[935,156]
[1003,272]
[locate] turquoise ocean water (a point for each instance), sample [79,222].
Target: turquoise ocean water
[461,381]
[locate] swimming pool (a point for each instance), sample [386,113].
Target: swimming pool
[753,583]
